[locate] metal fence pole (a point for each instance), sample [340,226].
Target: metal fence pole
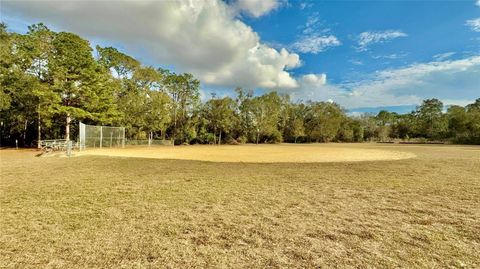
[123,140]
[82,136]
[101,136]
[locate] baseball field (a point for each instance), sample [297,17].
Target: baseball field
[319,205]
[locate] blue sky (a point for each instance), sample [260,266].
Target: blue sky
[360,54]
[432,27]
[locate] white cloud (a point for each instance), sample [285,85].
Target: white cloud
[314,38]
[314,25]
[355,62]
[313,80]
[201,37]
[305,5]
[315,43]
[474,24]
[313,22]
[403,86]
[443,56]
[256,8]
[478,3]
[392,56]
[308,87]
[365,39]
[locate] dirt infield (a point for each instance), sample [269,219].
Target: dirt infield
[259,153]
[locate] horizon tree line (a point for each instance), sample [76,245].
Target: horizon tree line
[52,80]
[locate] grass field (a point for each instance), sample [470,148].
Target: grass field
[421,210]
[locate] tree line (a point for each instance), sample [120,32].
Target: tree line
[52,80]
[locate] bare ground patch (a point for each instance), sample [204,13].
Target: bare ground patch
[283,153]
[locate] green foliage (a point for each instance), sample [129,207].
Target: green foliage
[245,104]
[51,80]
[431,122]
[6,55]
[184,90]
[323,121]
[464,123]
[122,64]
[265,111]
[221,115]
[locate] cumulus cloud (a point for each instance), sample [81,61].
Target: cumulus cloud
[365,39]
[202,37]
[256,8]
[403,86]
[311,87]
[314,80]
[474,24]
[478,3]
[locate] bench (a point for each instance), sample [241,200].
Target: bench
[53,145]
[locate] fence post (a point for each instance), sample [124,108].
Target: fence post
[101,136]
[123,140]
[82,136]
[69,148]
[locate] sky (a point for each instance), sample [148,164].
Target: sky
[363,55]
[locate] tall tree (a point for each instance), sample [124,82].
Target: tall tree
[473,112]
[23,81]
[82,84]
[265,112]
[323,121]
[133,106]
[457,122]
[123,65]
[184,90]
[246,130]
[158,113]
[6,62]
[39,47]
[430,118]
[295,122]
[221,116]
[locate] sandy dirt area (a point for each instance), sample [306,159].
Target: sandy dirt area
[305,153]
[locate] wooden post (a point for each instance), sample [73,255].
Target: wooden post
[69,148]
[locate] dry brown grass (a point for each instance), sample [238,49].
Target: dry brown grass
[116,212]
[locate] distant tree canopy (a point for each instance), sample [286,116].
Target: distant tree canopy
[50,81]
